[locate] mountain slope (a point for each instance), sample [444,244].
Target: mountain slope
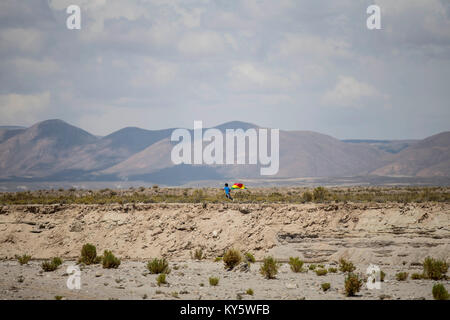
[113,149]
[427,158]
[302,154]
[53,149]
[37,150]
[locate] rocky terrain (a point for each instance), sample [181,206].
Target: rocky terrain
[397,237]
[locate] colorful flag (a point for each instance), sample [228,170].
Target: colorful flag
[238,186]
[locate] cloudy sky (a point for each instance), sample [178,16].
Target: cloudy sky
[288,64]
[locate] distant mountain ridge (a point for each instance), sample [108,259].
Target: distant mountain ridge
[54,149]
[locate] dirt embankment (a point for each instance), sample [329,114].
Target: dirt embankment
[372,233]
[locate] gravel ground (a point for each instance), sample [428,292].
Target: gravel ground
[190,280]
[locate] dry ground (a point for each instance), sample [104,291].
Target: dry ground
[397,237]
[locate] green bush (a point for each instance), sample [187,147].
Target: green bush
[218,259]
[49,266]
[296,264]
[161,279]
[198,254]
[332,270]
[346,266]
[319,194]
[23,259]
[110,261]
[157,266]
[213,281]
[231,258]
[401,276]
[269,268]
[249,292]
[321,272]
[434,269]
[352,284]
[89,255]
[250,258]
[439,292]
[312,267]
[325,286]
[57,261]
[307,196]
[417,276]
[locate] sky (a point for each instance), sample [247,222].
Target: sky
[287,64]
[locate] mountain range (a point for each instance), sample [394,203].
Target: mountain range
[54,150]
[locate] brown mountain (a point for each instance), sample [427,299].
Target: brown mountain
[53,149]
[38,150]
[427,158]
[302,154]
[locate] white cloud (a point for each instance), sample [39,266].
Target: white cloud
[312,46]
[409,19]
[25,40]
[248,76]
[34,67]
[349,92]
[151,72]
[24,109]
[199,43]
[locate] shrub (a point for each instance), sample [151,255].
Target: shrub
[58,297]
[231,258]
[198,254]
[332,270]
[109,261]
[213,281]
[434,269]
[249,292]
[325,286]
[352,284]
[250,258]
[296,264]
[312,266]
[89,255]
[416,276]
[401,276]
[218,259]
[23,259]
[307,196]
[319,194]
[321,272]
[48,266]
[439,292]
[156,266]
[161,279]
[269,268]
[57,261]
[346,266]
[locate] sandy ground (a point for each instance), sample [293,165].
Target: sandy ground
[132,281]
[397,237]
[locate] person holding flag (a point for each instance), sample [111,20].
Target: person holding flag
[227,191]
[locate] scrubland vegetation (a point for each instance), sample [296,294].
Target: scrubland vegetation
[215,195]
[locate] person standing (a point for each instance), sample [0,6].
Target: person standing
[227,191]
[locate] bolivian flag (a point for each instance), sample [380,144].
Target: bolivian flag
[238,186]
